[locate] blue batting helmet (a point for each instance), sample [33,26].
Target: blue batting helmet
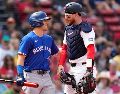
[36,19]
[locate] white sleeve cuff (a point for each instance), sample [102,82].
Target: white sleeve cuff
[21,53]
[89,63]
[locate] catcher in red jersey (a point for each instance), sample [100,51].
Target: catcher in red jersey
[79,48]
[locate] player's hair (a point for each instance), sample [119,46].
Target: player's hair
[79,14]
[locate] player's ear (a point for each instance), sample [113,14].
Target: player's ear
[78,14]
[75,16]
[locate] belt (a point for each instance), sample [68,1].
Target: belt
[74,64]
[40,72]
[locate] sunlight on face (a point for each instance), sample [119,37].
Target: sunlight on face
[46,25]
[69,18]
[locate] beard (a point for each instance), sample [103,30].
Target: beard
[70,22]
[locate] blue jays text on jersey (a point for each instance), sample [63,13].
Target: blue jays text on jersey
[40,48]
[37,50]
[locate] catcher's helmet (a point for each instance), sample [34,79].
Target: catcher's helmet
[73,8]
[36,19]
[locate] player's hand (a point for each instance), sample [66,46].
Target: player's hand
[60,69]
[89,73]
[89,82]
[20,80]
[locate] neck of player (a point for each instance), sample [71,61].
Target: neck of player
[38,31]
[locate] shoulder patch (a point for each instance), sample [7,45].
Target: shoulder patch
[86,27]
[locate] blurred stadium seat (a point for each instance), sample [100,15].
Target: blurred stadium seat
[112,20]
[109,12]
[93,20]
[117,11]
[114,28]
[116,36]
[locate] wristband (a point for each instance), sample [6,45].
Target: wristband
[89,63]
[20,69]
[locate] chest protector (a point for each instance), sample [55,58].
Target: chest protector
[76,47]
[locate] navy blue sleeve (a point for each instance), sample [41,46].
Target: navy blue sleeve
[54,48]
[25,46]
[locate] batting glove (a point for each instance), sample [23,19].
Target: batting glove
[20,80]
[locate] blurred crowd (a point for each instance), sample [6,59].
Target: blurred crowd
[102,14]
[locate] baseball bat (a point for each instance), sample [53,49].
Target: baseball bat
[29,84]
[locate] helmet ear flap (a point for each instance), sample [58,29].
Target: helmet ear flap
[37,24]
[40,23]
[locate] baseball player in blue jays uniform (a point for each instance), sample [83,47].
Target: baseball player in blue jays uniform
[33,56]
